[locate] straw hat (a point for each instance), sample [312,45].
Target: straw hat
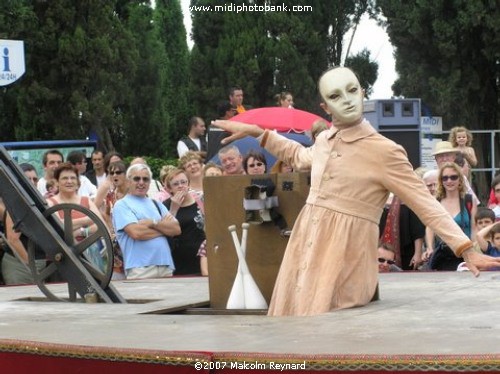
[444,147]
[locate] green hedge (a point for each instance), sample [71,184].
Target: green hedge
[155,164]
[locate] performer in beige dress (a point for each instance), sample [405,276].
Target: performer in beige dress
[331,259]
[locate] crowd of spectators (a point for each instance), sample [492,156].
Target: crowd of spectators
[416,247]
[157,226]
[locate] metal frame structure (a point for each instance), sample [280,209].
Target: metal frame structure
[32,217]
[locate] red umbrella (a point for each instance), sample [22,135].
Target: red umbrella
[280,119]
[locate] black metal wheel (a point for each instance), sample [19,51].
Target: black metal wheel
[95,253]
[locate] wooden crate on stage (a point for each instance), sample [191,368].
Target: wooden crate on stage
[265,247]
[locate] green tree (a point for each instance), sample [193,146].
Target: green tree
[78,59]
[227,46]
[366,69]
[268,52]
[293,62]
[169,24]
[17,20]
[448,53]
[146,125]
[332,20]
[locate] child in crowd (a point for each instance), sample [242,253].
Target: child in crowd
[485,217]
[492,246]
[461,138]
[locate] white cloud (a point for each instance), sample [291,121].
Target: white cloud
[373,37]
[187,21]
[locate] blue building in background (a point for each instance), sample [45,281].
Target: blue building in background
[32,152]
[398,120]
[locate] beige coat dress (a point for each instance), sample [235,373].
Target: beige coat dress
[331,259]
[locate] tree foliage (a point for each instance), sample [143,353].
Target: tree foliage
[69,90]
[268,52]
[120,70]
[115,70]
[17,20]
[171,33]
[365,68]
[448,53]
[146,116]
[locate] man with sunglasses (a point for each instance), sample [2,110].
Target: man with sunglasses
[154,185]
[386,259]
[141,226]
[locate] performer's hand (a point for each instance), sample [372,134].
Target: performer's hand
[237,129]
[477,261]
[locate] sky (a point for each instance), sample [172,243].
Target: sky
[373,37]
[368,35]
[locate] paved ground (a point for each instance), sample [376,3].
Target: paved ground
[419,313]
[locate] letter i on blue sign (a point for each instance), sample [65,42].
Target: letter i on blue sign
[6,66]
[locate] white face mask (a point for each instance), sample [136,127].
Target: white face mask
[343,96]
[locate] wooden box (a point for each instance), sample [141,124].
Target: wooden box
[265,246]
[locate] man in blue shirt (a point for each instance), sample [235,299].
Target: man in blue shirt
[141,227]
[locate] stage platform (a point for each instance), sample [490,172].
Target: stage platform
[439,322]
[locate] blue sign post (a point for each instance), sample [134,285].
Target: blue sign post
[12,65]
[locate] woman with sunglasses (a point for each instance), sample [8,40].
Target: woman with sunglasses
[255,163]
[186,208]
[107,185]
[452,194]
[118,190]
